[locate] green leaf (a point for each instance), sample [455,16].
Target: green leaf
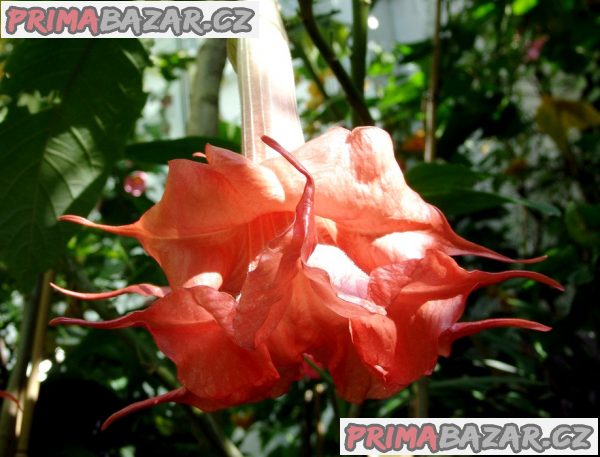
[450,187]
[540,207]
[160,152]
[410,90]
[83,98]
[521,7]
[484,10]
[432,177]
[458,202]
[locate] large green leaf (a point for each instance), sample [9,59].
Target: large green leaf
[73,106]
[450,187]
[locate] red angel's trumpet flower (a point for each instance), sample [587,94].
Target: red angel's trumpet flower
[345,265]
[375,329]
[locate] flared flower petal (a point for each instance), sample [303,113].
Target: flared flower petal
[209,364]
[436,276]
[377,219]
[212,221]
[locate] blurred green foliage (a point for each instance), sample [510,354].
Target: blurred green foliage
[518,170]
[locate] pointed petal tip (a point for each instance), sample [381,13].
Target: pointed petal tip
[289,157]
[464,329]
[532,260]
[174,395]
[146,290]
[67,321]
[128,320]
[125,230]
[502,258]
[73,218]
[539,277]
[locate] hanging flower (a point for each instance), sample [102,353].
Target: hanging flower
[270,262]
[275,257]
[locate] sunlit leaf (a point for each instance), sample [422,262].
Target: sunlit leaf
[55,159]
[521,7]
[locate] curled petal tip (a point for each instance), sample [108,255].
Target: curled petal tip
[129,320]
[72,218]
[536,277]
[174,395]
[146,290]
[463,329]
[126,230]
[546,280]
[288,156]
[199,154]
[532,260]
[67,321]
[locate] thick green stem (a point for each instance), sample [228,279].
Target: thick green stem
[355,99]
[360,16]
